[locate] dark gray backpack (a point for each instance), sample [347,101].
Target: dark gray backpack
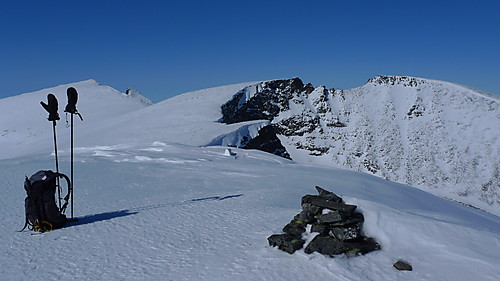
[42,212]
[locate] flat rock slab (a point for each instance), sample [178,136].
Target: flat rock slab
[331,246]
[330,217]
[295,228]
[286,242]
[323,202]
[328,195]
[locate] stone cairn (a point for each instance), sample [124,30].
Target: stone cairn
[337,223]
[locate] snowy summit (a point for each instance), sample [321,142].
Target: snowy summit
[191,187]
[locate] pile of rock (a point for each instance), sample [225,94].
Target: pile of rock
[337,223]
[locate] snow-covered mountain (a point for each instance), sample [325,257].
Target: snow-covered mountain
[434,135]
[425,133]
[24,128]
[154,202]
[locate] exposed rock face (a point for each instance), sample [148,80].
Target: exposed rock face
[262,101]
[339,228]
[419,132]
[267,141]
[136,94]
[396,80]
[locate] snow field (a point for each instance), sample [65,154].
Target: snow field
[149,208]
[203,215]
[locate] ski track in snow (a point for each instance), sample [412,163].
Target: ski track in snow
[174,212]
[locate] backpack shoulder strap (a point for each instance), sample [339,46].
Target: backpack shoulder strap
[70,187]
[27,187]
[26,222]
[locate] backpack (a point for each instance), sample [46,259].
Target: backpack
[42,213]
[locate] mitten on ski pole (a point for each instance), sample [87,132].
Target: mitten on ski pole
[72,100]
[51,106]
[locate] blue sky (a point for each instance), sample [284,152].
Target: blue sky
[164,48]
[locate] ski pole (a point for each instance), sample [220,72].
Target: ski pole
[52,107]
[57,163]
[72,158]
[71,108]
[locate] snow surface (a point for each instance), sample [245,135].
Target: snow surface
[153,204]
[173,212]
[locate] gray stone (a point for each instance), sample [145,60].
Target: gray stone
[325,245]
[323,229]
[328,195]
[330,217]
[354,218]
[330,246]
[295,228]
[286,242]
[346,232]
[401,265]
[323,202]
[306,217]
[311,209]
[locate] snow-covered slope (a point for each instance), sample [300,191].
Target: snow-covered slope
[24,128]
[435,135]
[154,203]
[189,119]
[164,211]
[431,134]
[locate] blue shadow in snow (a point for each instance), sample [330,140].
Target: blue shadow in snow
[123,213]
[216,198]
[99,217]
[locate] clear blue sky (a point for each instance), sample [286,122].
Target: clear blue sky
[164,48]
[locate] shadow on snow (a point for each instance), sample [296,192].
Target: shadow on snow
[123,213]
[100,217]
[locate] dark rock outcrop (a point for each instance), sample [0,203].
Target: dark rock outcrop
[393,80]
[267,141]
[297,125]
[269,99]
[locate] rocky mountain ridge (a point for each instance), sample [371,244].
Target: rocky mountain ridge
[416,131]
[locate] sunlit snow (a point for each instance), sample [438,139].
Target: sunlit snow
[154,203]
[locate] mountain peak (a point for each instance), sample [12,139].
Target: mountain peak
[406,81]
[411,130]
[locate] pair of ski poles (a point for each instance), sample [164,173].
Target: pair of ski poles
[52,106]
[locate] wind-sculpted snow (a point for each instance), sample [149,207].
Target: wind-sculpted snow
[165,211]
[431,134]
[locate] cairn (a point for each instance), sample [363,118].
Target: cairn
[337,223]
